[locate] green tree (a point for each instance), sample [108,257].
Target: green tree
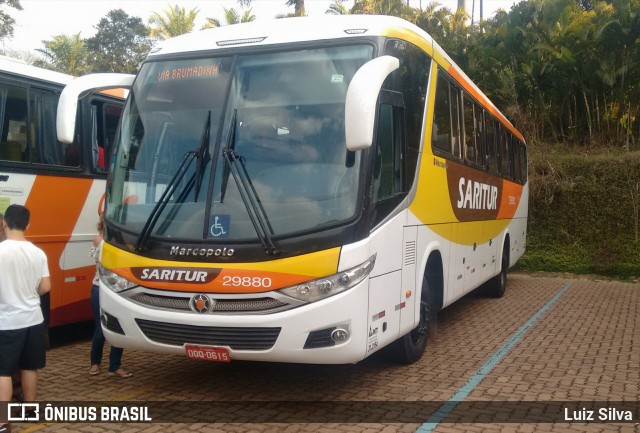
[65,53]
[120,43]
[176,21]
[298,5]
[231,16]
[337,8]
[6,20]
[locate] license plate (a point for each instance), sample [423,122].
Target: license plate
[208,353]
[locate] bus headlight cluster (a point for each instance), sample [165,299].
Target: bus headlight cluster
[114,281]
[315,290]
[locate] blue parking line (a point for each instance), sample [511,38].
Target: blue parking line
[447,407]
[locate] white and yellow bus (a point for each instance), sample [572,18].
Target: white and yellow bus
[62,184]
[305,190]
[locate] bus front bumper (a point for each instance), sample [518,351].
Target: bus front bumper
[300,335]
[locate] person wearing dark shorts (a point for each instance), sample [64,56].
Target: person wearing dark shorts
[24,277]
[22,349]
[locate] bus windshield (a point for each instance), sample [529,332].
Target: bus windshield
[282,116]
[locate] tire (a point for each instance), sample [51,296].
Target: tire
[410,347]
[496,287]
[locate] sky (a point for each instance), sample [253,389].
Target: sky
[43,19]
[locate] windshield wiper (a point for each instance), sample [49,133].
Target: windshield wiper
[143,237]
[203,157]
[248,194]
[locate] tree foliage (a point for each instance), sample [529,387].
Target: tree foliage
[176,21]
[231,16]
[563,70]
[6,20]
[65,53]
[120,43]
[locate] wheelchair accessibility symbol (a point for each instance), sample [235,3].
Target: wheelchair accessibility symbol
[219,226]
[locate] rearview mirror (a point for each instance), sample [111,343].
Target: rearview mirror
[362,98]
[68,102]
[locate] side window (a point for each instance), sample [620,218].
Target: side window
[515,151]
[45,147]
[481,160]
[388,168]
[505,154]
[499,138]
[470,146]
[441,132]
[456,126]
[492,156]
[13,123]
[411,79]
[523,162]
[104,122]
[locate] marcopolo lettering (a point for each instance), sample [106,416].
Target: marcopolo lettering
[202,252]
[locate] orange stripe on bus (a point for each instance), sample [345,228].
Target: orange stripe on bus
[484,101]
[55,204]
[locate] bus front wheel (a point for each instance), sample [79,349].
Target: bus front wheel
[409,348]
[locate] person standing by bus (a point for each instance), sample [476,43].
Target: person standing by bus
[24,277]
[97,344]
[3,235]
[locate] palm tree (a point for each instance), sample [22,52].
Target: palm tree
[231,16]
[176,21]
[337,8]
[66,53]
[298,4]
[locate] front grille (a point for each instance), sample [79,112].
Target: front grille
[236,338]
[237,305]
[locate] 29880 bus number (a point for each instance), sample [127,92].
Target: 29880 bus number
[236,281]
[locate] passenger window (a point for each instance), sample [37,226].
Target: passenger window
[470,146]
[45,147]
[411,79]
[441,133]
[13,123]
[505,155]
[491,146]
[456,127]
[389,170]
[481,158]
[523,163]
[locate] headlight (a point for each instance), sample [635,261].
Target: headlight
[114,281]
[315,290]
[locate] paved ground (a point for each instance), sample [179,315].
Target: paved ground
[581,346]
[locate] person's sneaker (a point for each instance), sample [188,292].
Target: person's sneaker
[5,428]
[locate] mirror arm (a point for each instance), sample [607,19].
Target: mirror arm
[362,100]
[68,102]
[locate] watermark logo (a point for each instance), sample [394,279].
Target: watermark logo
[23,412]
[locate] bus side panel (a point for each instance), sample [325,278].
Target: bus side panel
[55,204]
[78,267]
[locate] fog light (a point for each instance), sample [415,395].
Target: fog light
[338,335]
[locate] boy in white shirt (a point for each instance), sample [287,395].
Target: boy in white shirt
[24,277]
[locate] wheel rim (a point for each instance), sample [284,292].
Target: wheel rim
[419,334]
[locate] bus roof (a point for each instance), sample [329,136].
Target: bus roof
[281,31]
[307,29]
[18,67]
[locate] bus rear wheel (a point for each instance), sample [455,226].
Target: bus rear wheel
[497,286]
[410,347]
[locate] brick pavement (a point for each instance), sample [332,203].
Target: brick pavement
[580,349]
